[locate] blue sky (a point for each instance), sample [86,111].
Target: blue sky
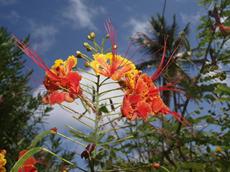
[58,28]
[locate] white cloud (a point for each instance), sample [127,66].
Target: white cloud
[191,18]
[43,37]
[138,25]
[81,15]
[60,118]
[7,2]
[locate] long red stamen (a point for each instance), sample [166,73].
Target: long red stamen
[110,30]
[34,56]
[164,88]
[180,118]
[159,69]
[170,59]
[30,53]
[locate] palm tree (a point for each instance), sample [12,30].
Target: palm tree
[152,44]
[177,45]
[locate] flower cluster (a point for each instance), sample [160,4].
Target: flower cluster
[62,83]
[141,96]
[141,99]
[2,160]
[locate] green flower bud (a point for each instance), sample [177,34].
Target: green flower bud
[91,36]
[87,46]
[87,64]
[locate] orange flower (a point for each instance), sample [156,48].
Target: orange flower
[111,65]
[142,97]
[62,83]
[137,102]
[2,160]
[29,164]
[145,100]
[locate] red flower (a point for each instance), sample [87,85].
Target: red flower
[88,150]
[61,82]
[144,98]
[29,164]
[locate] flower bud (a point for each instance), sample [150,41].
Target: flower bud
[53,130]
[87,46]
[107,36]
[87,64]
[91,36]
[3,151]
[156,165]
[78,54]
[115,46]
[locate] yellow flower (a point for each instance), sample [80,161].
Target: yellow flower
[110,65]
[130,78]
[2,160]
[58,63]
[218,149]
[62,68]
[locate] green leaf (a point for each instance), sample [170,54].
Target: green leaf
[104,109]
[26,156]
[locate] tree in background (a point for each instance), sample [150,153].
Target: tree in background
[177,45]
[155,142]
[21,114]
[19,110]
[204,146]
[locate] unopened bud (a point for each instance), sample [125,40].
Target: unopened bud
[78,54]
[53,130]
[156,165]
[115,46]
[87,64]
[3,151]
[91,36]
[87,46]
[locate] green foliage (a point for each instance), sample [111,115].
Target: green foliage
[205,103]
[19,110]
[137,145]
